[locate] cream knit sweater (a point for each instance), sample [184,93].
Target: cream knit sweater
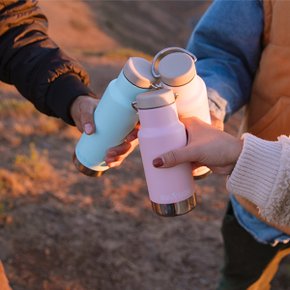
[262,175]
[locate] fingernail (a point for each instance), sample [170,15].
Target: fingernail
[158,162]
[88,128]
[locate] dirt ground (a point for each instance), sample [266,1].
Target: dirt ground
[61,230]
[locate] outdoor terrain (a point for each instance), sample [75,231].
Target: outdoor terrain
[61,230]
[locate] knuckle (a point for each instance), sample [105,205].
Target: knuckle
[170,158]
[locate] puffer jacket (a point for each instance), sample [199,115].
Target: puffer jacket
[34,64]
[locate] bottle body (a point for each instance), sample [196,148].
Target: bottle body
[192,101]
[177,72]
[171,190]
[114,118]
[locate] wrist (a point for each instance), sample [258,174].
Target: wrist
[256,169]
[62,94]
[236,152]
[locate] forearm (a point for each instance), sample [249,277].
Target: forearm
[227,43]
[34,63]
[262,176]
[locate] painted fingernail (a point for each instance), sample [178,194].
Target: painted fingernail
[88,128]
[158,162]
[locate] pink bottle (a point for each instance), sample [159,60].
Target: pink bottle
[171,190]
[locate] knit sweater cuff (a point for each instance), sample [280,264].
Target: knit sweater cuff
[256,170]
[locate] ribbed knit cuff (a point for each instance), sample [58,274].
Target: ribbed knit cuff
[256,170]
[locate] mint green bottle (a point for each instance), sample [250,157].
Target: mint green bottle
[114,116]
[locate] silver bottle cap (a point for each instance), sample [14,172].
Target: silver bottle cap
[138,71]
[177,69]
[155,99]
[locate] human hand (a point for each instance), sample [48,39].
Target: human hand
[207,146]
[82,112]
[116,155]
[216,122]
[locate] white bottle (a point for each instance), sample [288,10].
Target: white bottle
[177,72]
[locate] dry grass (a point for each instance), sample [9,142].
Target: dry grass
[15,108]
[119,53]
[11,183]
[35,164]
[20,111]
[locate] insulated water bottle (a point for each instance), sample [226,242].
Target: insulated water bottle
[114,116]
[176,70]
[171,190]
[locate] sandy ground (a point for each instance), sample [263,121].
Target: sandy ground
[60,230]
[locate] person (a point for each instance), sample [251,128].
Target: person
[255,167]
[242,50]
[55,83]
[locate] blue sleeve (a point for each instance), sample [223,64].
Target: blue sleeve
[227,42]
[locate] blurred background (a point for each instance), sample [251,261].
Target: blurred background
[61,230]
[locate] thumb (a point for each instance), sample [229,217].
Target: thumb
[87,108]
[87,118]
[82,112]
[172,158]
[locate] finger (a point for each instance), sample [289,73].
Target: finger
[133,135]
[114,163]
[82,112]
[173,158]
[111,160]
[87,116]
[79,126]
[111,153]
[119,150]
[216,122]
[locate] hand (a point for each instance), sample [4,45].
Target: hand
[116,155]
[82,112]
[207,146]
[216,122]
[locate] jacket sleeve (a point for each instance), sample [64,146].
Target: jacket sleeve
[227,42]
[32,62]
[262,175]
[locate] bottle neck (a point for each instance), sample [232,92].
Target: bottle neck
[158,117]
[128,90]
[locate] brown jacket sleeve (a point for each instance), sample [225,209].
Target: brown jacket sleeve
[32,62]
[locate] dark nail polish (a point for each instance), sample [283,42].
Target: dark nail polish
[158,162]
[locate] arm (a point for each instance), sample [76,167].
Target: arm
[227,43]
[258,170]
[262,176]
[32,62]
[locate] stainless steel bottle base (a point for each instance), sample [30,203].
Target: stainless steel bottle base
[201,176]
[85,170]
[175,209]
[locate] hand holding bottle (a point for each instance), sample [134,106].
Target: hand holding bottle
[207,146]
[116,155]
[82,112]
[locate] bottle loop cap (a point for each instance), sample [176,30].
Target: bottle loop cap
[178,66]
